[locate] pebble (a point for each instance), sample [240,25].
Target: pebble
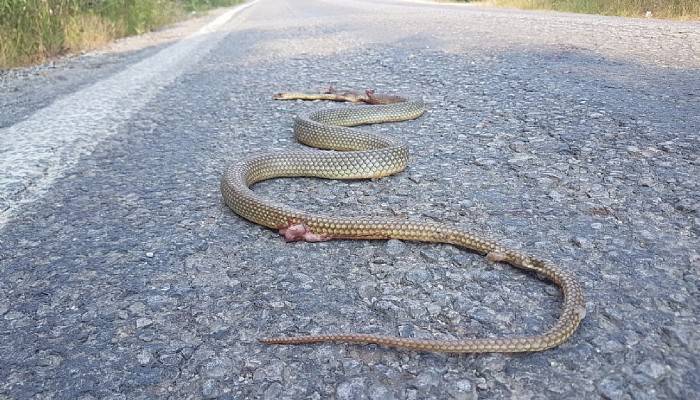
[4,306]
[419,276]
[273,391]
[582,242]
[143,322]
[463,390]
[395,247]
[144,357]
[611,388]
[351,390]
[652,369]
[210,389]
[380,392]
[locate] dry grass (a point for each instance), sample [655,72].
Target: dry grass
[89,31]
[677,9]
[33,30]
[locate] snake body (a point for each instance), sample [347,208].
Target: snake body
[362,155]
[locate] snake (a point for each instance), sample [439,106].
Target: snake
[345,152]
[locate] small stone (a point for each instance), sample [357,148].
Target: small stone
[517,147]
[169,358]
[647,181]
[273,392]
[461,259]
[687,205]
[277,304]
[554,195]
[395,247]
[494,363]
[380,392]
[50,360]
[351,390]
[430,254]
[581,242]
[268,373]
[519,159]
[411,394]
[694,260]
[463,390]
[610,388]
[210,389]
[143,322]
[144,357]
[648,235]
[652,369]
[419,276]
[407,330]
[367,291]
[426,380]
[4,306]
[137,308]
[433,309]
[13,315]
[217,367]
[678,335]
[485,162]
[666,146]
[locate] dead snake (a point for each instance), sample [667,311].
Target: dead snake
[361,155]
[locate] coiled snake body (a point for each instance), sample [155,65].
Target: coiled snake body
[364,155]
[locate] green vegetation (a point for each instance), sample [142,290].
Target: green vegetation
[682,9]
[32,30]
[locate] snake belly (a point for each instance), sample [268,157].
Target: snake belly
[362,155]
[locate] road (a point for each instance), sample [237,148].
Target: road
[123,275]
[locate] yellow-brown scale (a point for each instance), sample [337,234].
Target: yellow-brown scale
[365,155]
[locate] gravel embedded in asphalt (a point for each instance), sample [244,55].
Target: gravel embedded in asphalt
[568,136]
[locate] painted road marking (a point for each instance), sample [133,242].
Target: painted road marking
[37,151]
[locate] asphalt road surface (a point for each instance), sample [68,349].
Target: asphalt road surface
[123,275]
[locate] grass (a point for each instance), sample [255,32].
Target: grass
[677,9]
[33,30]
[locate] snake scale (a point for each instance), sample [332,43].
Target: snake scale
[362,155]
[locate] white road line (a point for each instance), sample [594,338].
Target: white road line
[37,151]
